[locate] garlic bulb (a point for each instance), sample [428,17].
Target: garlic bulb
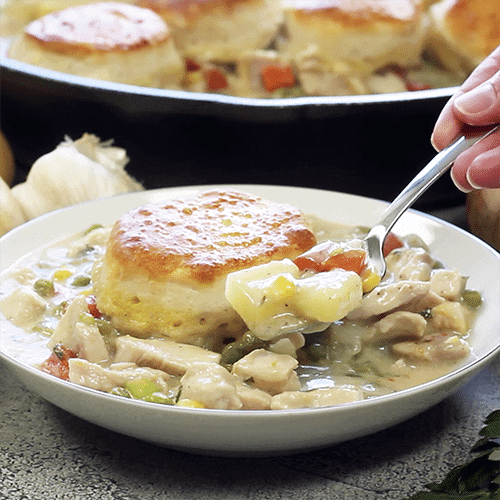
[74,172]
[483,214]
[11,214]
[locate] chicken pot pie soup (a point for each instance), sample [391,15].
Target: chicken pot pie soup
[278,309]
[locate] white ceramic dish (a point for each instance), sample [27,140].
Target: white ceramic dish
[241,433]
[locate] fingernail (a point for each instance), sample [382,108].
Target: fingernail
[458,185]
[477,100]
[470,181]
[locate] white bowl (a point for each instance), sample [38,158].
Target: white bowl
[229,432]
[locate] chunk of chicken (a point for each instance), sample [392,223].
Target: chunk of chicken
[94,376]
[23,306]
[211,385]
[399,324]
[329,396]
[450,316]
[447,283]
[433,348]
[288,344]
[163,354]
[81,337]
[385,298]
[250,66]
[268,371]
[253,398]
[423,302]
[409,264]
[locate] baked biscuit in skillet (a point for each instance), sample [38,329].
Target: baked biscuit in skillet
[464,32]
[351,39]
[107,41]
[165,267]
[219,30]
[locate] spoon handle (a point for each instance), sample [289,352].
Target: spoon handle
[427,176]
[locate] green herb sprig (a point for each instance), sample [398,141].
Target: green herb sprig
[478,479]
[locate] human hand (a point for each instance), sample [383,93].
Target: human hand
[477,104]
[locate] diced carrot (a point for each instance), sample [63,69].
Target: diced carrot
[215,79]
[57,363]
[191,65]
[277,77]
[303,262]
[92,306]
[391,243]
[350,260]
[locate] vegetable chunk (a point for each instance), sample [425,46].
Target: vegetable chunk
[273,299]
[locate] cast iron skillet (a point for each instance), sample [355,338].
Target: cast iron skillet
[181,138]
[143,101]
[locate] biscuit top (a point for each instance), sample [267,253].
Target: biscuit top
[358,14]
[206,237]
[188,8]
[99,27]
[476,23]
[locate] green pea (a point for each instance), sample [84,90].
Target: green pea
[81,280]
[472,298]
[141,387]
[44,288]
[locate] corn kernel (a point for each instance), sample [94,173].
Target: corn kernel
[370,281]
[282,287]
[62,274]
[189,403]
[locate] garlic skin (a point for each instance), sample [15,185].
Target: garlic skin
[76,171]
[483,215]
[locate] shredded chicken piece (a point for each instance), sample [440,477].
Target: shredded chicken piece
[400,324]
[450,316]
[447,283]
[268,371]
[386,298]
[83,338]
[433,348]
[211,385]
[409,264]
[92,375]
[164,354]
[23,306]
[329,396]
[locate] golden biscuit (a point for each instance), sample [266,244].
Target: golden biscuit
[219,30]
[107,41]
[464,32]
[165,266]
[352,38]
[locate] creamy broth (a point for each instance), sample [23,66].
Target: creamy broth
[352,354]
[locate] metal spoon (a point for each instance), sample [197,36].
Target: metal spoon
[425,178]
